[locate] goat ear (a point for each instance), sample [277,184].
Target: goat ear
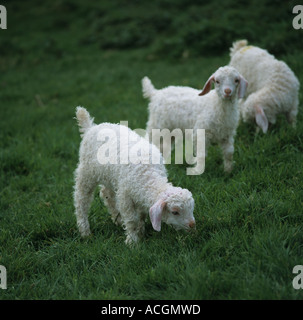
[155,214]
[261,119]
[207,86]
[242,87]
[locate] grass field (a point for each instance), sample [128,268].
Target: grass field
[56,55]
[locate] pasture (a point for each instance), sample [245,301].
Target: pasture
[56,55]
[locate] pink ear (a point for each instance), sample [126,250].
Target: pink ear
[261,119]
[207,86]
[242,87]
[155,214]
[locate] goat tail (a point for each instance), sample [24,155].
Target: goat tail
[237,45]
[84,120]
[147,88]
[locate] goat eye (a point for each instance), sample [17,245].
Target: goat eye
[237,81]
[175,213]
[217,81]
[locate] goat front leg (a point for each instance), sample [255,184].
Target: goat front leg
[227,147]
[109,199]
[132,220]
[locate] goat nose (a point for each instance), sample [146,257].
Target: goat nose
[227,91]
[192,224]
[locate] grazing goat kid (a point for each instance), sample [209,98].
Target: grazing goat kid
[273,87]
[129,190]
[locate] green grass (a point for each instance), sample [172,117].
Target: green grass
[62,54]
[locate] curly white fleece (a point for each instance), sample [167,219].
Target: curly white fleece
[130,190]
[273,87]
[182,107]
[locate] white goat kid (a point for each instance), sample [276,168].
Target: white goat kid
[129,190]
[216,110]
[273,87]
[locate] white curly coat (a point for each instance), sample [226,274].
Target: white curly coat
[216,110]
[273,87]
[130,190]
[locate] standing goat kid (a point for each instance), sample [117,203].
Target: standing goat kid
[215,110]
